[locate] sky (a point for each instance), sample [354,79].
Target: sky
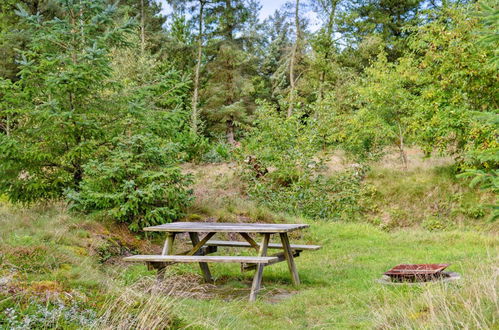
[268,8]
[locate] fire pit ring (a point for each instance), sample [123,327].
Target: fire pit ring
[417,274]
[448,277]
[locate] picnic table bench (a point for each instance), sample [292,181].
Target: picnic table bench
[201,248]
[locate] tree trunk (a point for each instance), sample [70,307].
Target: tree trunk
[194,114]
[294,53]
[142,29]
[403,155]
[230,131]
[329,33]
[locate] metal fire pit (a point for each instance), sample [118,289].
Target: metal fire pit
[417,272]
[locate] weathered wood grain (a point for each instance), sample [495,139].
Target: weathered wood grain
[220,259]
[250,241]
[199,244]
[288,253]
[168,247]
[203,265]
[257,280]
[301,247]
[201,227]
[280,257]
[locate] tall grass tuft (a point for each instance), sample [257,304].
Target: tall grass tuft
[470,303]
[147,304]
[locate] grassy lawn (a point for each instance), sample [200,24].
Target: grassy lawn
[339,288]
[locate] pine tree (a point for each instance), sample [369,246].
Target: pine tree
[150,22]
[72,106]
[12,33]
[274,67]
[229,87]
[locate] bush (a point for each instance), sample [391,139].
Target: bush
[217,153]
[137,183]
[336,197]
[280,163]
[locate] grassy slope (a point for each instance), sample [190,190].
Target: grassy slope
[49,256]
[62,271]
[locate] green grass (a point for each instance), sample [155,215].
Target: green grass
[430,197]
[339,288]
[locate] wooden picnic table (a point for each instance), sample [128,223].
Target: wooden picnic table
[202,247]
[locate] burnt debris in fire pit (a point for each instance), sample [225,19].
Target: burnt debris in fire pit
[418,273]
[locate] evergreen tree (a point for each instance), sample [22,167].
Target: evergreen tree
[274,67]
[379,23]
[150,22]
[12,33]
[72,107]
[226,94]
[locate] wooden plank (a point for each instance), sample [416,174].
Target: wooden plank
[271,245]
[161,265]
[280,257]
[250,241]
[289,258]
[202,251]
[204,266]
[257,279]
[218,227]
[200,244]
[204,259]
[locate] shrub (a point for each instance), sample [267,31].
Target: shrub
[336,197]
[217,153]
[137,183]
[280,164]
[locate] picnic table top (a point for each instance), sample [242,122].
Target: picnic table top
[220,227]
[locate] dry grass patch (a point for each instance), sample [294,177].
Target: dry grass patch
[470,303]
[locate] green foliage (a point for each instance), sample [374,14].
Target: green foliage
[332,198]
[217,153]
[227,94]
[429,96]
[364,20]
[489,14]
[484,160]
[283,171]
[454,82]
[288,145]
[483,164]
[137,183]
[71,105]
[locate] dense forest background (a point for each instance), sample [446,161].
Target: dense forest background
[101,101]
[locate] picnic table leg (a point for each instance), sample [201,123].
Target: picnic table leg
[257,280]
[203,265]
[168,247]
[288,254]
[167,250]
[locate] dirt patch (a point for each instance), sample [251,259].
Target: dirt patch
[214,179]
[416,159]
